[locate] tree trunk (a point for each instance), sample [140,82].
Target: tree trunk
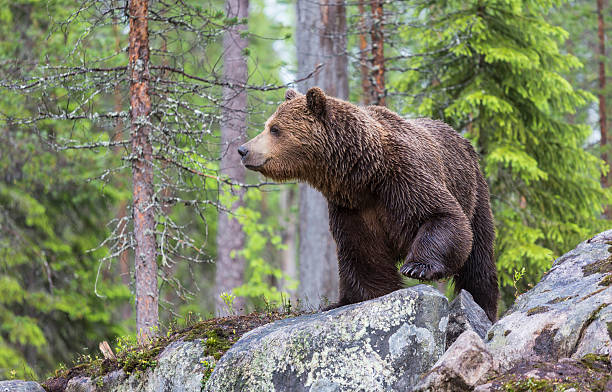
[321,38]
[602,97]
[288,255]
[230,237]
[142,173]
[378,53]
[366,86]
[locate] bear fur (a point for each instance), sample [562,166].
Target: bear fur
[399,191]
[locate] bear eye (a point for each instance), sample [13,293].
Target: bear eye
[274,130]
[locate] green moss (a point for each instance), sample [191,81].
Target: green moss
[595,313]
[91,367]
[600,368]
[598,267]
[216,344]
[539,385]
[218,336]
[560,299]
[140,359]
[591,373]
[537,309]
[595,361]
[606,281]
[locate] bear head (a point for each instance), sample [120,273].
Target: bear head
[293,142]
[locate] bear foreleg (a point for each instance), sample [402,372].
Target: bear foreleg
[439,249]
[366,266]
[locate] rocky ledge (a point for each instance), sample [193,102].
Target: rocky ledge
[557,336]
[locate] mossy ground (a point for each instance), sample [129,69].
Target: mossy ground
[219,335]
[593,373]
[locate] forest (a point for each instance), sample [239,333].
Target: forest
[124,207]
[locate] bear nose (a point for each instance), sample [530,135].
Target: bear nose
[242,150]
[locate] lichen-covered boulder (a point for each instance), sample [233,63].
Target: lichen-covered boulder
[463,366]
[20,386]
[378,345]
[465,315]
[179,368]
[567,314]
[80,384]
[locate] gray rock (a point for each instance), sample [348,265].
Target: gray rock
[20,386]
[465,315]
[378,345]
[112,380]
[109,383]
[567,314]
[179,368]
[463,366]
[80,384]
[596,337]
[488,387]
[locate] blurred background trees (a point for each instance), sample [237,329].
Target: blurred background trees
[525,81]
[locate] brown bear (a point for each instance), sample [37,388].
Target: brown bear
[398,190]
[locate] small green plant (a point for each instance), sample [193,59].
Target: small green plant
[208,369]
[132,356]
[518,275]
[286,304]
[228,300]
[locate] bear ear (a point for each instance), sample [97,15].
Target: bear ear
[290,94]
[315,100]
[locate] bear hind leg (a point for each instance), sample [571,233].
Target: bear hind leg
[478,275]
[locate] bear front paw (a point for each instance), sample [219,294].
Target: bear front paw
[422,271]
[331,306]
[335,305]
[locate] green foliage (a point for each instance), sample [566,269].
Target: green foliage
[493,69]
[132,357]
[228,300]
[259,235]
[51,216]
[48,305]
[518,275]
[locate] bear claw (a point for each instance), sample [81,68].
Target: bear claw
[420,271]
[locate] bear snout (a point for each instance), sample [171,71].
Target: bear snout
[243,151]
